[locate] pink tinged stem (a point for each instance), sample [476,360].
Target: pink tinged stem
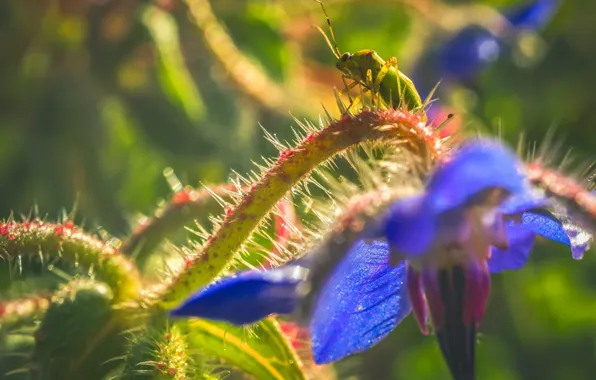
[416,295]
[477,288]
[433,298]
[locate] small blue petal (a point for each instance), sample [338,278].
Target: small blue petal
[533,15]
[546,224]
[247,297]
[523,202]
[363,300]
[477,166]
[410,225]
[560,229]
[521,242]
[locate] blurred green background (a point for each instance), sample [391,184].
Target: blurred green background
[98,97]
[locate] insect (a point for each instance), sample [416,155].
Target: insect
[367,68]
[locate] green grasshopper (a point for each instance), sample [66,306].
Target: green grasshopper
[367,68]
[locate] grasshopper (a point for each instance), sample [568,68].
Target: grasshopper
[367,68]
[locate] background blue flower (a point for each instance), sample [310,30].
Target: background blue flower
[459,59]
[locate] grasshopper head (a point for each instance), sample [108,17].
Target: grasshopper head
[348,66]
[355,66]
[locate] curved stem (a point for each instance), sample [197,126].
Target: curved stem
[69,242]
[577,199]
[184,207]
[293,165]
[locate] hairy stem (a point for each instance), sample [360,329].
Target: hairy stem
[69,242]
[392,126]
[577,199]
[184,207]
[160,349]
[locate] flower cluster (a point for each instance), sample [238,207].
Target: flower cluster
[463,56]
[429,254]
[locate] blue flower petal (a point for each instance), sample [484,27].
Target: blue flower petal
[521,242]
[546,224]
[533,15]
[410,225]
[475,167]
[247,297]
[363,300]
[559,229]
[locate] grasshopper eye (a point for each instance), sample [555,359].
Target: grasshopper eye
[346,56]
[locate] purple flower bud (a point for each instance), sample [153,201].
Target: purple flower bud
[533,15]
[462,57]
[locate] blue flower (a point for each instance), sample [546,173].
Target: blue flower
[463,56]
[477,213]
[429,253]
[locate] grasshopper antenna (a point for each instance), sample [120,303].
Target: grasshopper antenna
[333,46]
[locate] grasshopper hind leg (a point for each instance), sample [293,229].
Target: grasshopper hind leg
[395,99]
[397,102]
[376,84]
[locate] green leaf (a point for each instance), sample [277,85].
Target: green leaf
[174,76]
[261,350]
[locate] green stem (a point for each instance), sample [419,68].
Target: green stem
[69,242]
[184,207]
[293,165]
[577,199]
[160,350]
